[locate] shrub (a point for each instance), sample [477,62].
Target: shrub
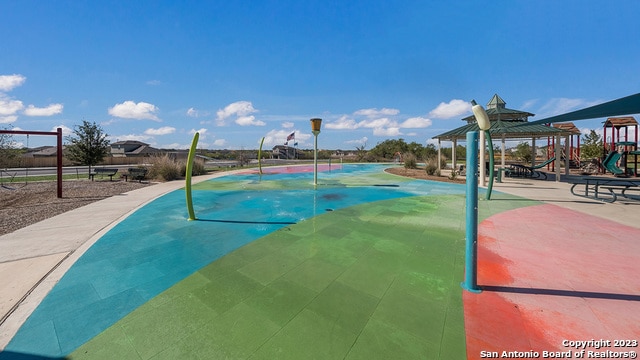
[410,161]
[164,168]
[431,166]
[443,162]
[197,169]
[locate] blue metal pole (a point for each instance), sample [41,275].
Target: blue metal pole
[471,240]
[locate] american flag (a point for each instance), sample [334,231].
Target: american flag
[291,136]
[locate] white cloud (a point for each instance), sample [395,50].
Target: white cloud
[8,119]
[377,123]
[558,106]
[202,131]
[416,123]
[279,137]
[9,82]
[451,109]
[287,124]
[238,108]
[391,131]
[249,120]
[135,137]
[165,130]
[342,123]
[528,104]
[131,110]
[8,106]
[360,141]
[50,110]
[220,142]
[192,112]
[432,141]
[154,82]
[371,113]
[66,131]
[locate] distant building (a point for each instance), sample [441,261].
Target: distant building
[285,152]
[42,152]
[132,148]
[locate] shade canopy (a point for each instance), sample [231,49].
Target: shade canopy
[508,129]
[624,106]
[507,123]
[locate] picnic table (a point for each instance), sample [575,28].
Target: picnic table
[606,189]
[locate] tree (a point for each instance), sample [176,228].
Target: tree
[361,152]
[8,151]
[523,152]
[591,146]
[388,148]
[88,145]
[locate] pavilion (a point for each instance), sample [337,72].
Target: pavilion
[508,124]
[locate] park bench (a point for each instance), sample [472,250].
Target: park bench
[135,174]
[606,189]
[103,172]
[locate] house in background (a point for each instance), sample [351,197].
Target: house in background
[132,148]
[285,152]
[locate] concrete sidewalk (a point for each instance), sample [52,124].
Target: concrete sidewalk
[622,211]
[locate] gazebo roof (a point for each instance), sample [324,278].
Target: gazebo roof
[508,129]
[507,123]
[567,126]
[620,121]
[497,110]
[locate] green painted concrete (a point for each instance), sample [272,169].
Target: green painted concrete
[374,281]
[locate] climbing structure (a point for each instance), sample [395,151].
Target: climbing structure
[574,144]
[617,140]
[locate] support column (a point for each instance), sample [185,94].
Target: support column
[567,156]
[453,154]
[558,156]
[439,154]
[504,152]
[482,164]
[533,151]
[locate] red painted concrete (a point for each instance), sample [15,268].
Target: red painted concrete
[292,169]
[553,274]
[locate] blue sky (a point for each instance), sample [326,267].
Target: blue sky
[236,71]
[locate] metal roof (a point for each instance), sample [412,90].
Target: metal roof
[510,130]
[497,110]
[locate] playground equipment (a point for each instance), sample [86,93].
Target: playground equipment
[620,144]
[58,134]
[573,145]
[610,161]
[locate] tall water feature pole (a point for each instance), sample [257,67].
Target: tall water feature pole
[315,129]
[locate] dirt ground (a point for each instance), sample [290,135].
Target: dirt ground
[420,173]
[25,204]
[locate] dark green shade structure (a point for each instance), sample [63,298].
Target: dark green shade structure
[623,106]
